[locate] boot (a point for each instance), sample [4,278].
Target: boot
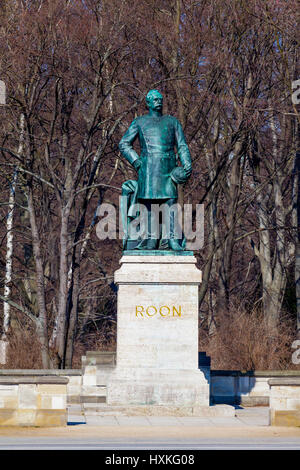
[174,244]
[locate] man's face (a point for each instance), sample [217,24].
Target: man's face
[155,102]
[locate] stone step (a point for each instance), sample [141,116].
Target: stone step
[103,409]
[100,358]
[92,400]
[94,390]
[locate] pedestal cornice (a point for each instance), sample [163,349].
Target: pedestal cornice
[162,269]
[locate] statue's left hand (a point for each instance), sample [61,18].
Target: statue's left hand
[136,164]
[179,175]
[188,172]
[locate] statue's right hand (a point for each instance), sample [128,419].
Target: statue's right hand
[137,164]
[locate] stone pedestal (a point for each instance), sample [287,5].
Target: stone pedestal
[33,400]
[284,401]
[157,333]
[97,367]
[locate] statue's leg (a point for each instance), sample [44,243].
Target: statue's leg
[150,240]
[176,236]
[165,229]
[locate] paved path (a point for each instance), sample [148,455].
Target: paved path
[248,430]
[258,416]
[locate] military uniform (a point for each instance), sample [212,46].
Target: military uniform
[157,137]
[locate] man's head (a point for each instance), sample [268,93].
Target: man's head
[154,100]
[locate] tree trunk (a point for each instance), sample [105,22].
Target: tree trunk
[9,256]
[41,322]
[63,290]
[297,250]
[9,242]
[73,315]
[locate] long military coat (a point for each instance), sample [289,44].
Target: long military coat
[157,138]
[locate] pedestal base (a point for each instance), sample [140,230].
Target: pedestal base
[157,333]
[158,387]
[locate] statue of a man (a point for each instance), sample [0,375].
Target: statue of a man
[158,173]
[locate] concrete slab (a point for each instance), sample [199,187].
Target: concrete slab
[133,420]
[75,408]
[257,416]
[76,420]
[164,420]
[230,422]
[194,421]
[253,411]
[92,420]
[255,421]
[248,417]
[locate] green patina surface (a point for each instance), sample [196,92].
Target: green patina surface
[158,171]
[157,136]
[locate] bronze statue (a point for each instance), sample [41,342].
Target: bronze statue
[158,173]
